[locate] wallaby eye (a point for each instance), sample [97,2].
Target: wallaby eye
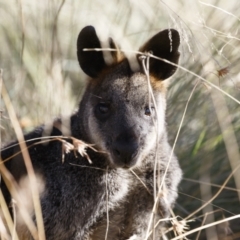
[103,108]
[148,111]
[102,111]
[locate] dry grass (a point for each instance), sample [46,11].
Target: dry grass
[38,58]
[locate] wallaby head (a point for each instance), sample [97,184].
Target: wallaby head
[117,112]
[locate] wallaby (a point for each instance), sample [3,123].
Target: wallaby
[107,190]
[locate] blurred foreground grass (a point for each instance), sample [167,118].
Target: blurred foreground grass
[41,73]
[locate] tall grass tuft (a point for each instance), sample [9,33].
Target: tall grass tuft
[41,74]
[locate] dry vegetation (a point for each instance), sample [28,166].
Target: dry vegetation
[43,80]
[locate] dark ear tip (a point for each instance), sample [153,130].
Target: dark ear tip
[88,28]
[174,31]
[91,62]
[174,35]
[86,31]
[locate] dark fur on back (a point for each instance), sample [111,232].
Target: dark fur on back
[79,196]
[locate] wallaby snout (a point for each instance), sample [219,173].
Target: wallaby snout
[125,149]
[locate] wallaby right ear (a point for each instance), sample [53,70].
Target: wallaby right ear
[165,45]
[91,62]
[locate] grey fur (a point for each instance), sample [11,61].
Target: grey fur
[115,116]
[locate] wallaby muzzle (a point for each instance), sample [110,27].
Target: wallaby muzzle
[125,149]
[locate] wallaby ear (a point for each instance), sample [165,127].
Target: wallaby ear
[91,62]
[164,45]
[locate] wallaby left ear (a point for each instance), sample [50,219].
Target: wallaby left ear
[164,45]
[91,62]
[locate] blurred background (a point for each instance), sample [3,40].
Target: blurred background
[43,80]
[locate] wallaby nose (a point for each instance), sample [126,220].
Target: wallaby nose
[125,148]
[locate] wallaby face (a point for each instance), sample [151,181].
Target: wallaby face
[118,110]
[119,118]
